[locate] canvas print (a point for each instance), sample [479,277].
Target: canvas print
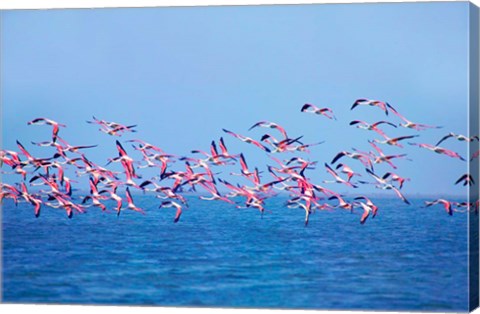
[282,156]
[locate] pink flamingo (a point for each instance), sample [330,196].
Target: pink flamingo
[45,121]
[368,102]
[266,124]
[439,150]
[327,112]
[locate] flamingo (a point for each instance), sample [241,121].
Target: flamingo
[264,187]
[145,146]
[366,212]
[236,190]
[380,181]
[446,204]
[94,190]
[98,173]
[371,127]
[10,158]
[115,197]
[61,149]
[303,147]
[384,185]
[370,204]
[193,179]
[224,150]
[304,163]
[45,121]
[368,102]
[116,131]
[18,169]
[307,207]
[327,112]
[30,159]
[244,166]
[323,190]
[384,158]
[164,159]
[439,150]
[201,163]
[394,141]
[167,191]
[247,140]
[112,128]
[173,204]
[66,204]
[215,194]
[255,202]
[73,149]
[50,182]
[30,198]
[363,158]
[127,163]
[280,146]
[68,185]
[467,180]
[288,169]
[95,202]
[266,124]
[341,202]
[8,191]
[348,171]
[130,204]
[178,176]
[412,125]
[459,137]
[215,156]
[337,178]
[395,177]
[467,205]
[245,171]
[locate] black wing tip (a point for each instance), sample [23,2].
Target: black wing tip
[305,107]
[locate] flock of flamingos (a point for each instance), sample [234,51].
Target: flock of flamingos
[54,188]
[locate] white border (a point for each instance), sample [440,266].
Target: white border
[29,4]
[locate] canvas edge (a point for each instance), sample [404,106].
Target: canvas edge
[1,147]
[473,129]
[18,5]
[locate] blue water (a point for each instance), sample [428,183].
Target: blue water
[407,258]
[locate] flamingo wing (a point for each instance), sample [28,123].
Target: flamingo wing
[306,107]
[121,150]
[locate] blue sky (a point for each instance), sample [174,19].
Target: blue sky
[183,74]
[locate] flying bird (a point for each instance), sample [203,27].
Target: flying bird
[439,150]
[459,137]
[266,124]
[327,112]
[247,140]
[467,180]
[45,121]
[368,102]
[446,204]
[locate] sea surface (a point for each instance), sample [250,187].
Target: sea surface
[407,258]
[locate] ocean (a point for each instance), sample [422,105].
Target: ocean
[406,258]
